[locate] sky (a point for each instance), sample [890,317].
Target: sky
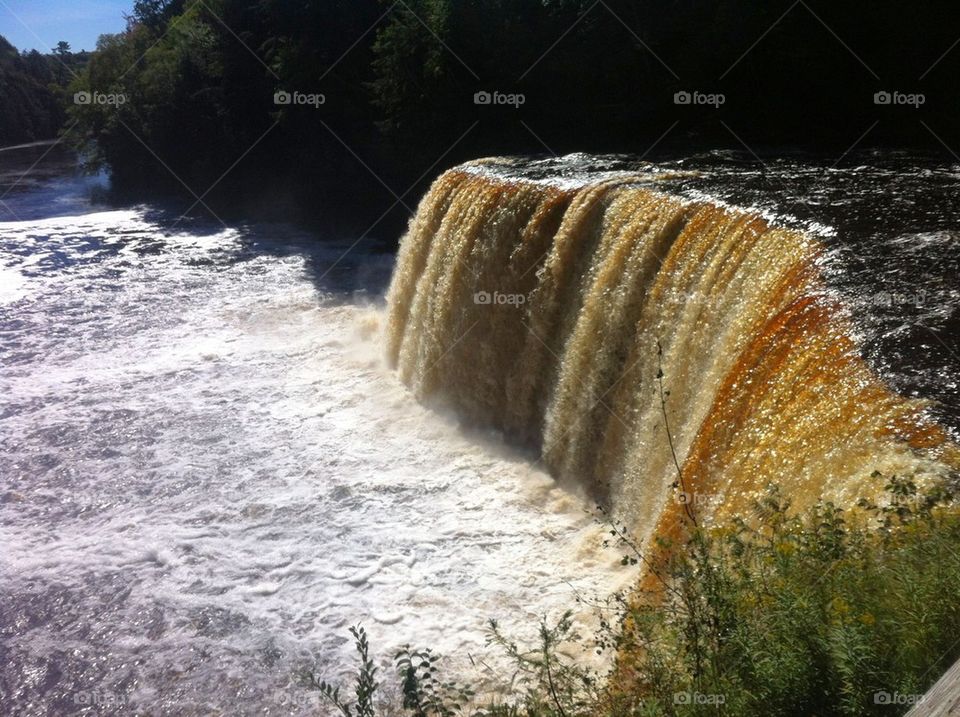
[40,24]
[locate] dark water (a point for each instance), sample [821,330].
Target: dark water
[890,220]
[895,245]
[45,180]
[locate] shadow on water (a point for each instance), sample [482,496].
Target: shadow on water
[45,180]
[343,268]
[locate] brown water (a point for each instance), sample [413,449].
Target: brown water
[533,298]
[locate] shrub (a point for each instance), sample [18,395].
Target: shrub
[825,613]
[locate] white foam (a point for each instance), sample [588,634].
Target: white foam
[217,442]
[12,285]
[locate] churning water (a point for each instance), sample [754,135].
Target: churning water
[207,473]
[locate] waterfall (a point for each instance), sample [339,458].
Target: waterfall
[549,309]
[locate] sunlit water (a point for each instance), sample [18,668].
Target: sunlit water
[207,475]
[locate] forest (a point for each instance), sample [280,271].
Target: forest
[334,109]
[33,88]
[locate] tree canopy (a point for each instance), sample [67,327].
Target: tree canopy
[374,93]
[32,92]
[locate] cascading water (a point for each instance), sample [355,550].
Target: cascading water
[548,308]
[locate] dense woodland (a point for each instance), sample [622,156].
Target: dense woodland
[398,79]
[33,91]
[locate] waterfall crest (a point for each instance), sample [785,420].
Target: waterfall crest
[548,309]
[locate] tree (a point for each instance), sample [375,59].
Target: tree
[62,53]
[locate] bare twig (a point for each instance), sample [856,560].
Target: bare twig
[673,452]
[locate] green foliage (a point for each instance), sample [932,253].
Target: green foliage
[400,78]
[199,79]
[171,80]
[155,14]
[546,682]
[365,686]
[424,694]
[32,91]
[823,613]
[412,67]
